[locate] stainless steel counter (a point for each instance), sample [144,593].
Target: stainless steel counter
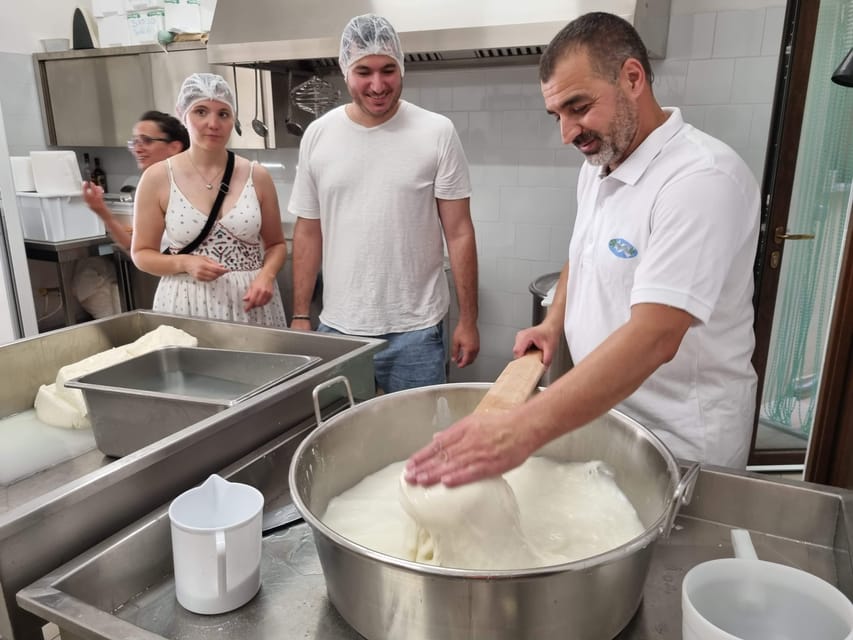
[124,589]
[60,513]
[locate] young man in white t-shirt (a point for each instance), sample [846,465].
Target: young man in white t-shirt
[656,297]
[380,186]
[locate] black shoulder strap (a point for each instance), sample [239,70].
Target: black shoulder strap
[214,212]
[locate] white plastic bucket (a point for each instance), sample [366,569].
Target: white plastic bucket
[216,545]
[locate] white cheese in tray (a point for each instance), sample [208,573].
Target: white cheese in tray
[61,407]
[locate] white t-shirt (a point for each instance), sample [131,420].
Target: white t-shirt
[675,224]
[374,190]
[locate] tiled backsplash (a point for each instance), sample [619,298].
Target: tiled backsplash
[720,70]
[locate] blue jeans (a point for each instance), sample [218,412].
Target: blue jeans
[411,359]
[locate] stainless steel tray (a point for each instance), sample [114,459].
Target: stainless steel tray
[141,400]
[220,377]
[123,588]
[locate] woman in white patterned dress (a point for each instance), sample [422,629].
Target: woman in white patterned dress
[231,274]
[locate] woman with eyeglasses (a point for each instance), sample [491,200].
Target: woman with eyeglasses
[156,136]
[220,264]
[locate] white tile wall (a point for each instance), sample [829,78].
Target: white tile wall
[738,34]
[720,70]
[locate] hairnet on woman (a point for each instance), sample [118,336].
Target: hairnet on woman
[200,87]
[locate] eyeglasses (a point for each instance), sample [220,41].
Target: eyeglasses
[143,141]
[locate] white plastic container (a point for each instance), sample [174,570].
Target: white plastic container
[57,218]
[22,173]
[216,545]
[55,44]
[745,598]
[56,173]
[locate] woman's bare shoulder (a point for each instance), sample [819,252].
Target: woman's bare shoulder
[156,173]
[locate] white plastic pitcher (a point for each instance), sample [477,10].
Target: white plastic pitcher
[744,598]
[216,545]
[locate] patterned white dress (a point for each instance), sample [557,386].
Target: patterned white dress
[235,242]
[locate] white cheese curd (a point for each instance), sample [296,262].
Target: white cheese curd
[541,514]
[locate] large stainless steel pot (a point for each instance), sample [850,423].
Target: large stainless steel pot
[386,597]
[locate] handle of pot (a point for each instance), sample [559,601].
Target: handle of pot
[331,382]
[681,496]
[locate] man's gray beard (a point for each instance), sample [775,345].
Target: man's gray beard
[618,139]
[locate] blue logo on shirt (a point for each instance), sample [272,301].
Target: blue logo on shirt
[622,248]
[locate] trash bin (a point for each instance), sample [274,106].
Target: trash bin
[562,360]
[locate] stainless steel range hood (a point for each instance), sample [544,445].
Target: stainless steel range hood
[306,33]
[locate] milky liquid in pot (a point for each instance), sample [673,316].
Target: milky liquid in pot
[554,512]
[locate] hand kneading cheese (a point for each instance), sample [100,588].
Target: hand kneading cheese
[61,407]
[475,525]
[541,514]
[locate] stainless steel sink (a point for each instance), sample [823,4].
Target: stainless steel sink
[123,588]
[50,518]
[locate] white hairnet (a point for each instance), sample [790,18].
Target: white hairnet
[369,35]
[199,87]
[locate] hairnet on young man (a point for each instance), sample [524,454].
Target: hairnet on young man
[199,87]
[369,35]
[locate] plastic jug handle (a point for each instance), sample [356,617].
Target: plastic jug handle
[742,544]
[221,577]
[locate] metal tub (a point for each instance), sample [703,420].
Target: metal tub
[47,519]
[141,400]
[386,597]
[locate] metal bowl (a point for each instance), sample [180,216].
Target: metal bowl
[386,597]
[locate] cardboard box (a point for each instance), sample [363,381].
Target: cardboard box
[145,25]
[57,218]
[135,6]
[113,31]
[206,8]
[183,16]
[103,8]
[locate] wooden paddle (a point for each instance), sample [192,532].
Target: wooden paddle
[515,383]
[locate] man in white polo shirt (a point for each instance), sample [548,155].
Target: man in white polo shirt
[656,297]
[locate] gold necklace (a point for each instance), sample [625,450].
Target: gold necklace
[207,183]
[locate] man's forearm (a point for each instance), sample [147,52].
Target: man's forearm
[557,311]
[608,375]
[307,252]
[463,266]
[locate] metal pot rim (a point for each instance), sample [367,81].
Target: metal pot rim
[613,555]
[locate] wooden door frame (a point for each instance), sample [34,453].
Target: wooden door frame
[830,456]
[777,187]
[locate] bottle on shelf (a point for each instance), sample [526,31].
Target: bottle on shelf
[99,176]
[87,168]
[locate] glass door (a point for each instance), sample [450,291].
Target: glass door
[806,248]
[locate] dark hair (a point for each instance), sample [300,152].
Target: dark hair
[169,126]
[607,39]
